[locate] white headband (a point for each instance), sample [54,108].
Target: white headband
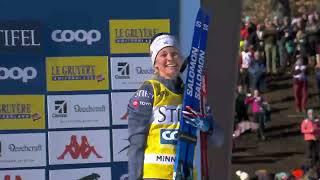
[161,42]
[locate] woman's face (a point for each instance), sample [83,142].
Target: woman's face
[168,62]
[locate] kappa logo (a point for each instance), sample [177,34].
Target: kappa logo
[123,70]
[17,73]
[93,176]
[76,150]
[8,177]
[168,136]
[79,35]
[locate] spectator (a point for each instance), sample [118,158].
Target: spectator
[241,107]
[256,102]
[301,46]
[312,34]
[310,130]
[317,73]
[260,42]
[300,85]
[246,58]
[269,36]
[289,47]
[257,72]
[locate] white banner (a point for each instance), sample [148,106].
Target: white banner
[69,111]
[130,72]
[73,147]
[120,101]
[22,150]
[83,173]
[120,144]
[32,174]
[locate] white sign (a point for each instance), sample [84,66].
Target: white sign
[78,111]
[120,101]
[120,144]
[80,35]
[22,150]
[32,174]
[83,173]
[130,72]
[73,147]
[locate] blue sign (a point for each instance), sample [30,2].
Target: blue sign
[20,36]
[22,74]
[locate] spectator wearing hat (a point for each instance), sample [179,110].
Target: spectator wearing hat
[310,130]
[300,86]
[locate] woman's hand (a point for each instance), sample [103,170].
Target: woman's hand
[204,123]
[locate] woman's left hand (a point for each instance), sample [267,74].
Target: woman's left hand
[204,123]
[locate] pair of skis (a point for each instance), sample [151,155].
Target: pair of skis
[195,97]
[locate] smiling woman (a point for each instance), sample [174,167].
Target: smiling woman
[154,112]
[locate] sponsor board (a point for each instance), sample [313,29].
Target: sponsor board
[88,37]
[133,36]
[22,112]
[22,150]
[32,174]
[70,111]
[20,36]
[130,72]
[120,144]
[77,73]
[81,174]
[22,74]
[74,147]
[120,102]
[120,171]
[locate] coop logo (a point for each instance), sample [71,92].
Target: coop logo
[18,111]
[81,35]
[141,70]
[17,73]
[8,177]
[93,176]
[168,136]
[75,150]
[24,148]
[60,108]
[123,70]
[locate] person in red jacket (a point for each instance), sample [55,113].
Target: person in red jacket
[310,130]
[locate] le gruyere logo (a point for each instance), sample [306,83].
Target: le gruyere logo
[77,73]
[22,112]
[134,36]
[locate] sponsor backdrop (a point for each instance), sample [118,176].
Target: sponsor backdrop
[67,72]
